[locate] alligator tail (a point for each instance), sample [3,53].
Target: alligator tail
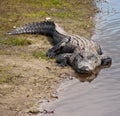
[44,27]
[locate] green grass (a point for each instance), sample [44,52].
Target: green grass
[19,12]
[5,76]
[40,54]
[2,52]
[18,41]
[37,14]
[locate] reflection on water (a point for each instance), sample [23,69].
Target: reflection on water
[101,97]
[91,76]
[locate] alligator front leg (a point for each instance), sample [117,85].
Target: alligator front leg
[106,61]
[63,59]
[57,49]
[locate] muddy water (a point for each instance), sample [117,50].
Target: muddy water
[101,97]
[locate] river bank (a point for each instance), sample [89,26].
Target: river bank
[27,76]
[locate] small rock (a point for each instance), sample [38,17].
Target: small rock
[47,112]
[48,18]
[48,68]
[14,27]
[54,95]
[34,111]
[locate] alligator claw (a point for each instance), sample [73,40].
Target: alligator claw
[51,54]
[63,64]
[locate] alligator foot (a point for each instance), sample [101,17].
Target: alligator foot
[63,59]
[51,54]
[106,61]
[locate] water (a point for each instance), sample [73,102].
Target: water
[101,97]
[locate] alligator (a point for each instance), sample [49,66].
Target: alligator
[82,54]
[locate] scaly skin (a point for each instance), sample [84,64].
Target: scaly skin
[80,53]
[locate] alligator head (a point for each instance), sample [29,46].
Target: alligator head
[85,62]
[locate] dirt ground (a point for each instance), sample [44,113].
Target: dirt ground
[26,80]
[27,76]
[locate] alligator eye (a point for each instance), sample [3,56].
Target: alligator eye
[92,57]
[81,56]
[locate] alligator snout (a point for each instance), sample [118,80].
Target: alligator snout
[85,70]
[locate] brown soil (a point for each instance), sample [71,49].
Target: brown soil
[28,80]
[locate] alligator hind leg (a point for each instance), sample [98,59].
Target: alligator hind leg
[63,59]
[57,49]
